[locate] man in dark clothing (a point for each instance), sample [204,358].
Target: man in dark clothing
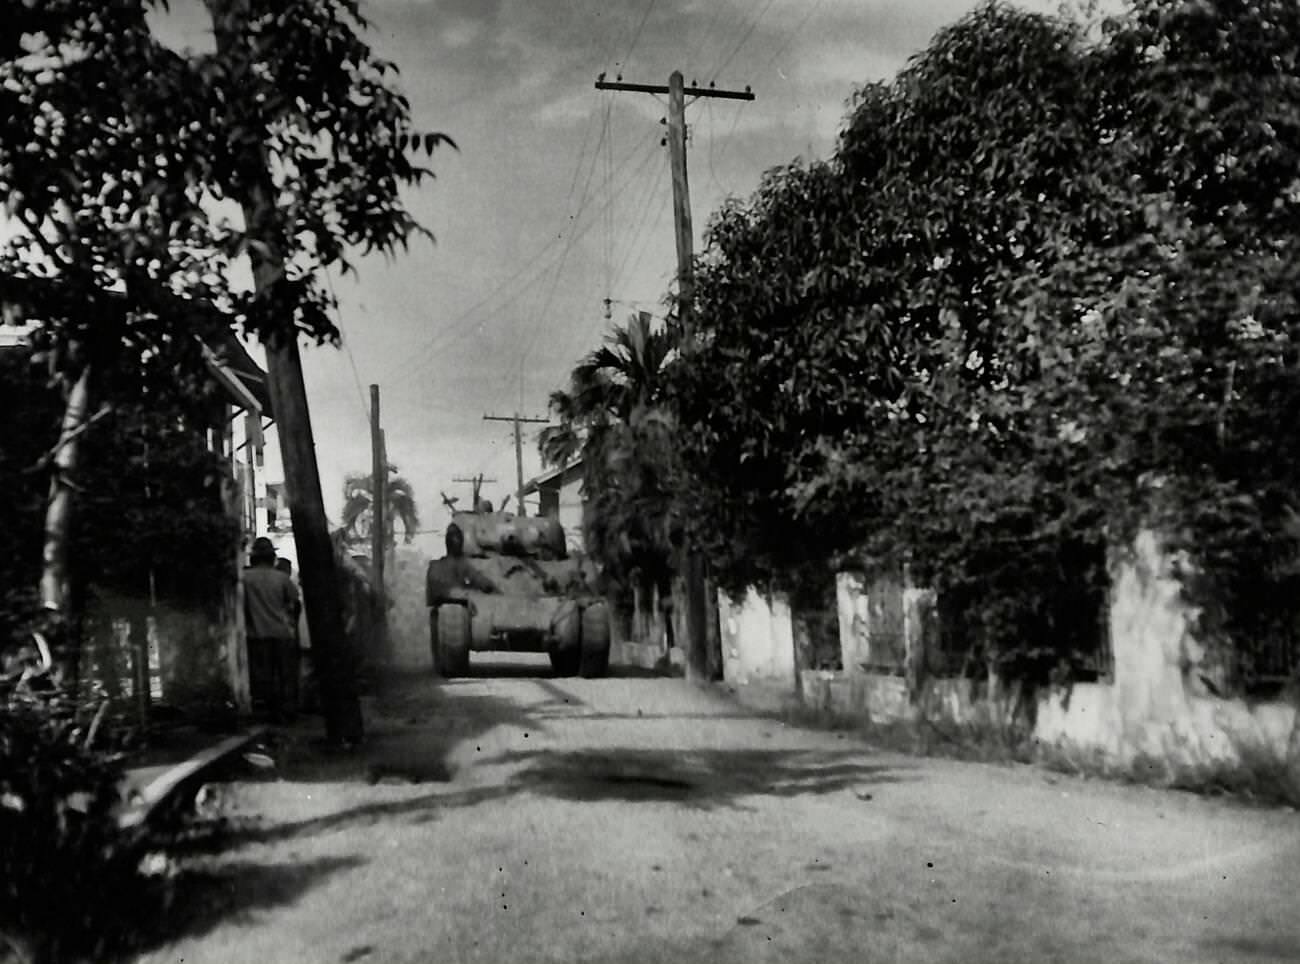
[270,602]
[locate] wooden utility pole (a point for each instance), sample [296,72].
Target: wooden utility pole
[475,482]
[317,565]
[378,517]
[703,647]
[519,454]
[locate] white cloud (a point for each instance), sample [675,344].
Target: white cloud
[462,33]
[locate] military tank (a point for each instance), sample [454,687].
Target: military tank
[512,585]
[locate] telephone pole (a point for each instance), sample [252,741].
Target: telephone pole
[475,482]
[701,660]
[317,565]
[519,453]
[378,508]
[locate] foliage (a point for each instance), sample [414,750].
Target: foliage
[614,418]
[76,885]
[115,150]
[27,400]
[1041,295]
[399,505]
[151,493]
[116,147]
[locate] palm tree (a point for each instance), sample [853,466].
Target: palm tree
[399,506]
[614,415]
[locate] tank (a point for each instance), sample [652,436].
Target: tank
[515,587]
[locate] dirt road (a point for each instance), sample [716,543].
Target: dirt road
[643,819]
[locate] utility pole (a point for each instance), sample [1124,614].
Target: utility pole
[378,516]
[703,648]
[475,482]
[317,565]
[519,453]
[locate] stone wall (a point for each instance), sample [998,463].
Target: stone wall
[757,639]
[408,617]
[1154,707]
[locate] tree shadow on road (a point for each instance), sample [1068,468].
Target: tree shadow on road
[485,667]
[703,779]
[208,894]
[421,809]
[411,732]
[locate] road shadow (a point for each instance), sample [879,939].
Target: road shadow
[413,725]
[416,810]
[522,666]
[702,779]
[200,897]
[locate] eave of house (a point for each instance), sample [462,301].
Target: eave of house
[554,478]
[229,362]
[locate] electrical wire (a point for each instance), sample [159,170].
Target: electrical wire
[597,155]
[556,280]
[793,33]
[646,206]
[639,27]
[347,349]
[414,364]
[743,39]
[463,324]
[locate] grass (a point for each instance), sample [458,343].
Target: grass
[1259,777]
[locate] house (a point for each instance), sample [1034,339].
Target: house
[559,493]
[192,655]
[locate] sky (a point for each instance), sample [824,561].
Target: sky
[559,198]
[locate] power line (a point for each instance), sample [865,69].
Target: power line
[414,365]
[569,242]
[556,280]
[702,36]
[347,349]
[573,239]
[647,205]
[639,27]
[726,141]
[794,33]
[457,328]
[744,37]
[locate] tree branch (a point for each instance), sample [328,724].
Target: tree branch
[44,461]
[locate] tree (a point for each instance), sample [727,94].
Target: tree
[614,416]
[90,169]
[399,505]
[1046,267]
[112,149]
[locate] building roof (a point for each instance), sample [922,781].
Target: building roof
[17,294]
[554,478]
[231,353]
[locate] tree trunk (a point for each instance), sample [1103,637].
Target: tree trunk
[640,611]
[317,565]
[58,525]
[713,629]
[658,628]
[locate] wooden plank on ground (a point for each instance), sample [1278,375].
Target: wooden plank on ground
[143,803]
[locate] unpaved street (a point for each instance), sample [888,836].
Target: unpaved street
[642,819]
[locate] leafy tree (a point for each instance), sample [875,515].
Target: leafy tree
[399,505]
[613,416]
[113,148]
[1041,294]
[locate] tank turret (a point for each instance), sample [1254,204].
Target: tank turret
[505,534]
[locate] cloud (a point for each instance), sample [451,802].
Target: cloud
[462,33]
